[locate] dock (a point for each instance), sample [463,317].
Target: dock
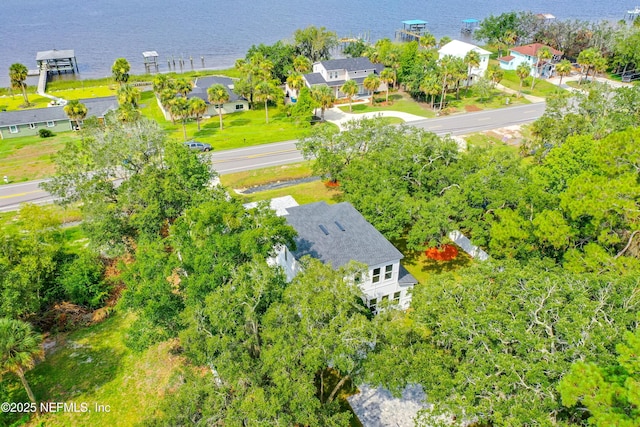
[633,14]
[469,25]
[53,61]
[412,29]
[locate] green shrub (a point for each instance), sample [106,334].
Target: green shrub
[82,280]
[45,133]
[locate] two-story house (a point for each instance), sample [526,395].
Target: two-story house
[529,54]
[335,72]
[337,234]
[460,49]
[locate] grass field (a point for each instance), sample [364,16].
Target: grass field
[397,102]
[256,177]
[93,366]
[31,157]
[542,88]
[239,129]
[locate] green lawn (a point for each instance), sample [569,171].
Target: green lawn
[239,129]
[263,176]
[93,366]
[31,157]
[308,192]
[471,101]
[397,102]
[542,88]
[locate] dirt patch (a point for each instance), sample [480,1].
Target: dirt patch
[510,135]
[472,108]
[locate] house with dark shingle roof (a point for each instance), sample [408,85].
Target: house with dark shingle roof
[528,54]
[235,104]
[335,72]
[337,234]
[14,124]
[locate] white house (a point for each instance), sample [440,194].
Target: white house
[459,49]
[528,54]
[337,234]
[335,72]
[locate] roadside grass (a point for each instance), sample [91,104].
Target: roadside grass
[247,179]
[482,140]
[31,157]
[397,102]
[93,365]
[472,101]
[542,88]
[308,192]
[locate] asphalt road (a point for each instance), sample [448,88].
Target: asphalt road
[279,153]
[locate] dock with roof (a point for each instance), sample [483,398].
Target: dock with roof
[412,29]
[58,61]
[469,25]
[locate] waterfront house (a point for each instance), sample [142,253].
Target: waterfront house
[528,54]
[335,72]
[235,104]
[460,49]
[337,234]
[28,122]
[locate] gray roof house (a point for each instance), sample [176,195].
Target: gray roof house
[337,234]
[14,124]
[335,72]
[235,104]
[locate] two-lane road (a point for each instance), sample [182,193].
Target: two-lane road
[280,153]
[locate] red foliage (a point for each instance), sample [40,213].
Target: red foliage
[332,184]
[444,253]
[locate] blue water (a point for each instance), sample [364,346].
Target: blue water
[221,31]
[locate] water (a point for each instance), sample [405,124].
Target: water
[221,31]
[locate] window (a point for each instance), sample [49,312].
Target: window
[385,298]
[388,271]
[216,106]
[13,129]
[285,254]
[372,303]
[396,296]
[239,107]
[32,125]
[376,275]
[357,279]
[50,124]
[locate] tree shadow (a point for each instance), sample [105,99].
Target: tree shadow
[239,122]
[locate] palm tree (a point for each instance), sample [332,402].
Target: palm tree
[495,74]
[266,91]
[543,54]
[427,41]
[444,40]
[587,58]
[430,85]
[20,346]
[302,64]
[349,88]
[76,111]
[387,76]
[218,95]
[128,95]
[563,68]
[197,108]
[472,60]
[179,108]
[447,66]
[18,76]
[183,86]
[120,70]
[523,72]
[160,83]
[324,97]
[371,83]
[166,98]
[295,81]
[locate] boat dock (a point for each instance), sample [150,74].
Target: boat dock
[411,30]
[53,61]
[632,15]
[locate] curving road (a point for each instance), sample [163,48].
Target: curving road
[280,153]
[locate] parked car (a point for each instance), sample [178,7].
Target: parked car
[195,145]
